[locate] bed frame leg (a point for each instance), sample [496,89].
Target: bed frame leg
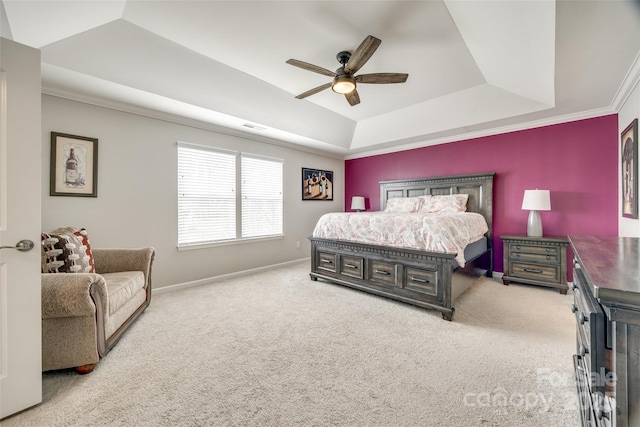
[489,272]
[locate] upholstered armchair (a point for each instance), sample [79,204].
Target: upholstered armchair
[85,314]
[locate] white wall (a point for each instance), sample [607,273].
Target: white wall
[628,227]
[137,191]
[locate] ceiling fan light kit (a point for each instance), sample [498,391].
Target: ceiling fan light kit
[343,84]
[344,81]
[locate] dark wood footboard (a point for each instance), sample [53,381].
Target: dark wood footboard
[424,279]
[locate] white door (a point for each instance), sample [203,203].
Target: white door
[20,204]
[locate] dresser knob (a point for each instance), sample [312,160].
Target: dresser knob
[574,286]
[602,414]
[582,319]
[583,350]
[574,308]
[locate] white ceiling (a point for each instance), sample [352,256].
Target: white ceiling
[475,67]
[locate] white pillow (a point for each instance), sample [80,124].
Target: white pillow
[403,204]
[448,203]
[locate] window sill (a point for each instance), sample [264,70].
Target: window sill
[228,242]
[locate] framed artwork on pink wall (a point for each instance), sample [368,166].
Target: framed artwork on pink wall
[629,159]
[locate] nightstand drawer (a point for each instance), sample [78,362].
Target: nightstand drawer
[550,258]
[537,253]
[534,249]
[383,272]
[351,266]
[550,273]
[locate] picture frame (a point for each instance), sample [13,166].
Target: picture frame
[629,170]
[74,165]
[317,184]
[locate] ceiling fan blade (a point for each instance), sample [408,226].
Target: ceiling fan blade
[382,78]
[362,54]
[314,91]
[311,67]
[352,97]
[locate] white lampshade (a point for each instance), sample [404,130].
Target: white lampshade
[536,200]
[357,203]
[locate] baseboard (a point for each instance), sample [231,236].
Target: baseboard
[185,285]
[170,288]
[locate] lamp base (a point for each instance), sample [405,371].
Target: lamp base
[534,224]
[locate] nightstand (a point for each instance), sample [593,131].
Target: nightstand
[535,261]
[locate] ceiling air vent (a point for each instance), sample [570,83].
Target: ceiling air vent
[254,127]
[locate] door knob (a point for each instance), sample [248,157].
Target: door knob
[22,246]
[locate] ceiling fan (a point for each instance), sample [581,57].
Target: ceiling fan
[344,80]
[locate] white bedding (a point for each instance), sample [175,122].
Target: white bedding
[432,232]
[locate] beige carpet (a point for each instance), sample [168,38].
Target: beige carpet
[277,349]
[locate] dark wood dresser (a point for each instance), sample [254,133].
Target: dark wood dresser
[606,287]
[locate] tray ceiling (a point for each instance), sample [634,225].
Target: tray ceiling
[475,67]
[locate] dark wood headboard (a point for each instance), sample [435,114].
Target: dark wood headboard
[479,187]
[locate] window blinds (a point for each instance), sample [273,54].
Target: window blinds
[206,195]
[209,202]
[261,196]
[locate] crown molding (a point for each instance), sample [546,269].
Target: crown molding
[180,120]
[488,132]
[627,86]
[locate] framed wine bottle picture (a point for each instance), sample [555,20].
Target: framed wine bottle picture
[317,184]
[629,169]
[74,165]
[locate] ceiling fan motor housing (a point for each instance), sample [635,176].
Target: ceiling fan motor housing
[343,57]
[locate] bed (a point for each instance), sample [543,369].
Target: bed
[428,277]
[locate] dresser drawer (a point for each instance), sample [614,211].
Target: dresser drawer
[549,273]
[326,261]
[590,329]
[421,280]
[585,316]
[584,351]
[383,272]
[351,266]
[585,399]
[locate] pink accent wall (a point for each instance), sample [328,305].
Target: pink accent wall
[576,161]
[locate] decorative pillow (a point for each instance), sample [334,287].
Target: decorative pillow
[67,250]
[448,203]
[403,204]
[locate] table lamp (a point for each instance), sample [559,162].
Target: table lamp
[535,201]
[357,203]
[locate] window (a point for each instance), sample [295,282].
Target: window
[261,196]
[217,187]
